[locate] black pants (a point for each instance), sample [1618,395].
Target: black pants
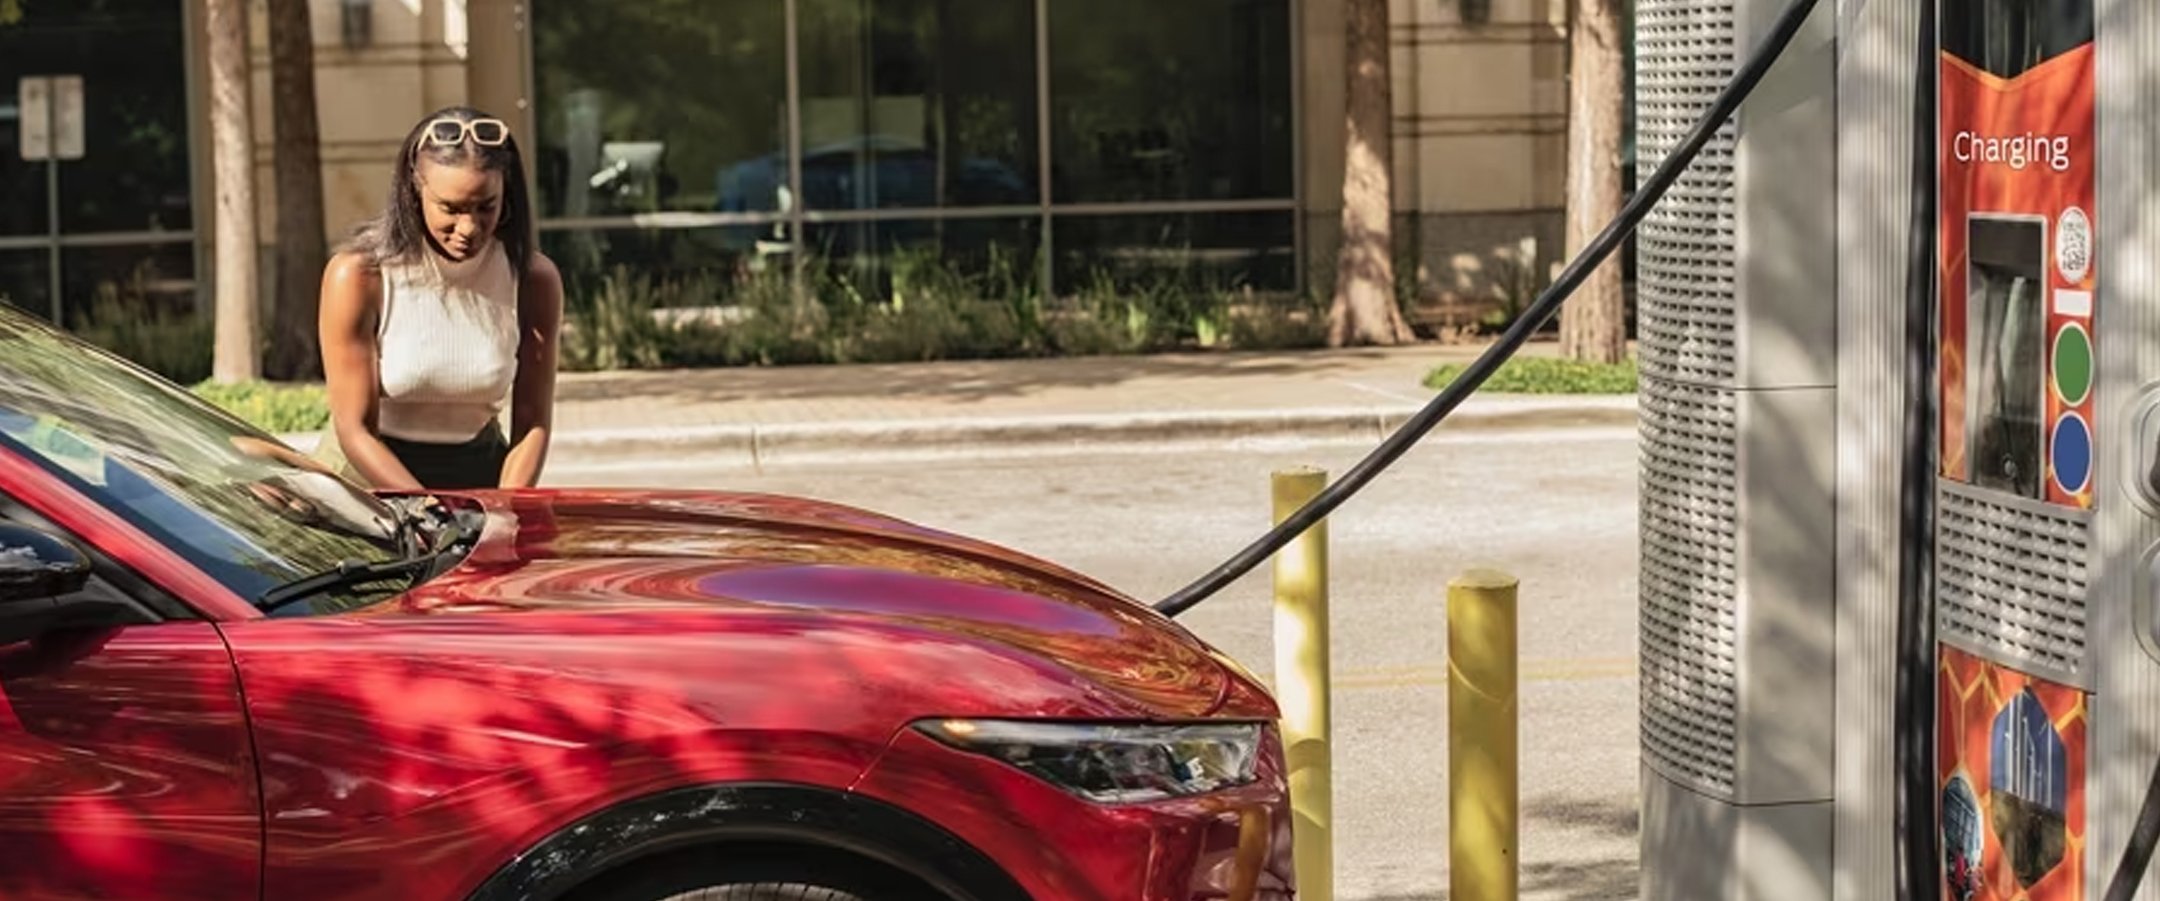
[476,463]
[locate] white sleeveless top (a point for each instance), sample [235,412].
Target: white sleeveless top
[446,345]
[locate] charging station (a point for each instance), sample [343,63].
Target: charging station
[1900,433]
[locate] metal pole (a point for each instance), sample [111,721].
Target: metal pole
[797,246]
[52,221]
[52,199]
[1483,850]
[1301,683]
[1045,275]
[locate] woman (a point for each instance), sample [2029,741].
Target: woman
[434,312]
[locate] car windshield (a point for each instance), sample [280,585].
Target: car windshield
[248,510]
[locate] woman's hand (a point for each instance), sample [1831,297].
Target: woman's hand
[532,399]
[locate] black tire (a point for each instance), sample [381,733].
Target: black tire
[764,891]
[773,880]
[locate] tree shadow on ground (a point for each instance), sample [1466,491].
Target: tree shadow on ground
[1596,877]
[972,380]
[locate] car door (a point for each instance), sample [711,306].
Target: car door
[125,762]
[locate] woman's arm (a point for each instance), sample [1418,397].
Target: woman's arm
[532,400]
[347,332]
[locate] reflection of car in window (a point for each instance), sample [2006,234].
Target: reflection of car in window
[868,172]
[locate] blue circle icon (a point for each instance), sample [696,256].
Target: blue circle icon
[2071,453]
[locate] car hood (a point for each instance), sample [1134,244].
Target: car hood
[753,555]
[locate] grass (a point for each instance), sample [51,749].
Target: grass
[1544,375]
[274,408]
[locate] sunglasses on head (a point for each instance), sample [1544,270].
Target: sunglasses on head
[485,132]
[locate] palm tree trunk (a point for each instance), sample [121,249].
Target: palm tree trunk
[1593,325]
[300,245]
[236,356]
[1364,310]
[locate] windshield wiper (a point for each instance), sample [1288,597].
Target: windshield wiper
[349,573]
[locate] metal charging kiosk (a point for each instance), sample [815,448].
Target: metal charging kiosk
[2042,578]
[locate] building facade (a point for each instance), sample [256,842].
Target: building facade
[1064,139]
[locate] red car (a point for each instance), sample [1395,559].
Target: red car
[226,674]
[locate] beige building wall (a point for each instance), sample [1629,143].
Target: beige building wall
[416,60]
[1480,129]
[1480,125]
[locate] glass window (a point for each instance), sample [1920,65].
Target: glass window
[26,281]
[986,259]
[684,266]
[139,301]
[1169,100]
[918,103]
[245,510]
[134,173]
[1187,251]
[2005,326]
[675,105]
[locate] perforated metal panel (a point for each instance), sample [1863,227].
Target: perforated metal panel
[2011,581]
[1690,581]
[1685,247]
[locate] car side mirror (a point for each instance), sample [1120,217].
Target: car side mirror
[38,565]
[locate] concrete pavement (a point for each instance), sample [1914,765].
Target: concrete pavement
[748,418]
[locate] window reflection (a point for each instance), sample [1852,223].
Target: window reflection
[660,106]
[1169,99]
[26,281]
[1202,251]
[918,103]
[245,510]
[134,172]
[987,259]
[697,266]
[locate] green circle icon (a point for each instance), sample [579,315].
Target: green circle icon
[2073,364]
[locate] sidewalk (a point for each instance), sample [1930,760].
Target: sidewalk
[750,417]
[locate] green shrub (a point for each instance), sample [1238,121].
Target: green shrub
[611,326]
[916,305]
[1544,375]
[272,407]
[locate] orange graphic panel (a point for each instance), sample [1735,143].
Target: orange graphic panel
[2010,756]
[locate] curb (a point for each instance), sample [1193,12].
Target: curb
[756,445]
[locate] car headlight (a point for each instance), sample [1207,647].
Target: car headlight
[1114,763]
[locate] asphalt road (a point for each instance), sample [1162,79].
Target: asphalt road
[1556,508]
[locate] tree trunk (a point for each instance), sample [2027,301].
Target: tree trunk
[300,244]
[236,356]
[1364,310]
[1593,324]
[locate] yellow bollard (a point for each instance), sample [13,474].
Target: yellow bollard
[1301,680]
[1483,853]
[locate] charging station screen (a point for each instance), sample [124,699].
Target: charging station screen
[2005,331]
[2016,236]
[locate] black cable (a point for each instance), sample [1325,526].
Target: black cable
[1918,876]
[2130,871]
[1533,318]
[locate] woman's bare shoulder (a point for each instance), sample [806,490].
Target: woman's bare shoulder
[350,268]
